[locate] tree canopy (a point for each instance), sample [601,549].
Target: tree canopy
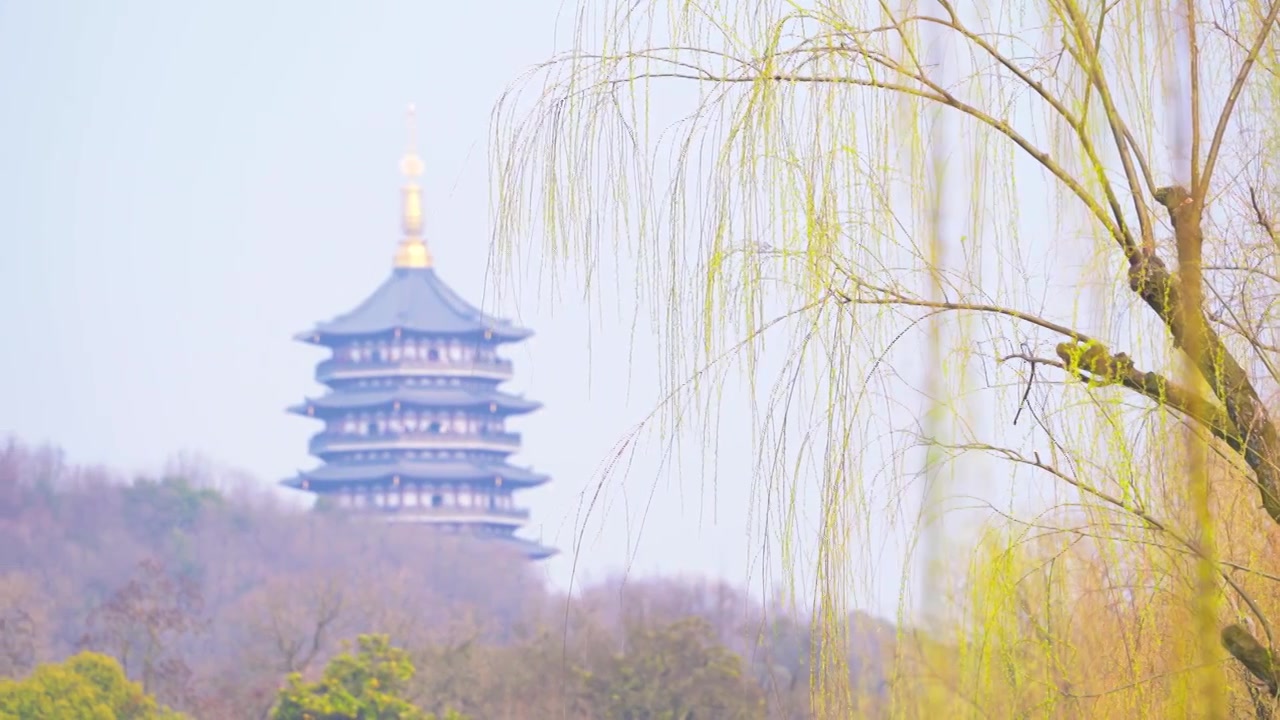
[368,685]
[1032,241]
[88,686]
[673,672]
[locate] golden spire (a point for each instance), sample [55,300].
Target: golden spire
[412,252]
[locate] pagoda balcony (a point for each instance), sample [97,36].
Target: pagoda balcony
[342,369]
[327,443]
[464,516]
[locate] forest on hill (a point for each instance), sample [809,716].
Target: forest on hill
[217,601]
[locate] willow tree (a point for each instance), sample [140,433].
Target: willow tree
[1064,206]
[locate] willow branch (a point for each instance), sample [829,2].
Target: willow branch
[1193,51]
[1074,121]
[1154,387]
[1135,510]
[965,307]
[1118,231]
[1092,64]
[1228,109]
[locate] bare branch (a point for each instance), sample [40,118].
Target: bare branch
[1228,109]
[1261,217]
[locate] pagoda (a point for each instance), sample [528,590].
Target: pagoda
[414,422]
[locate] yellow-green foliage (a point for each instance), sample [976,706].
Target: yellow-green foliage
[1055,626]
[675,671]
[1017,255]
[88,686]
[368,684]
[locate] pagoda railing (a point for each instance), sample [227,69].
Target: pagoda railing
[327,442]
[448,513]
[338,368]
[437,515]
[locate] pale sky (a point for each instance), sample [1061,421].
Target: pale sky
[183,186]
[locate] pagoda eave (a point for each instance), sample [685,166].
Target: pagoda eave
[302,481]
[310,337]
[496,403]
[302,410]
[530,549]
[330,338]
[321,412]
[410,472]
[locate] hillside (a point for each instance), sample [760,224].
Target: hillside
[209,596]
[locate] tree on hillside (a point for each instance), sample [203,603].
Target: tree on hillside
[297,616]
[368,685]
[88,686]
[24,624]
[157,509]
[141,623]
[675,671]
[1072,204]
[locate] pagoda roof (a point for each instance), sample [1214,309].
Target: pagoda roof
[530,549]
[452,397]
[417,469]
[414,299]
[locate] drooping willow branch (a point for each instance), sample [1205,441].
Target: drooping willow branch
[1231,408]
[1115,228]
[1130,508]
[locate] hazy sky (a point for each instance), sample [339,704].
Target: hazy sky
[186,185]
